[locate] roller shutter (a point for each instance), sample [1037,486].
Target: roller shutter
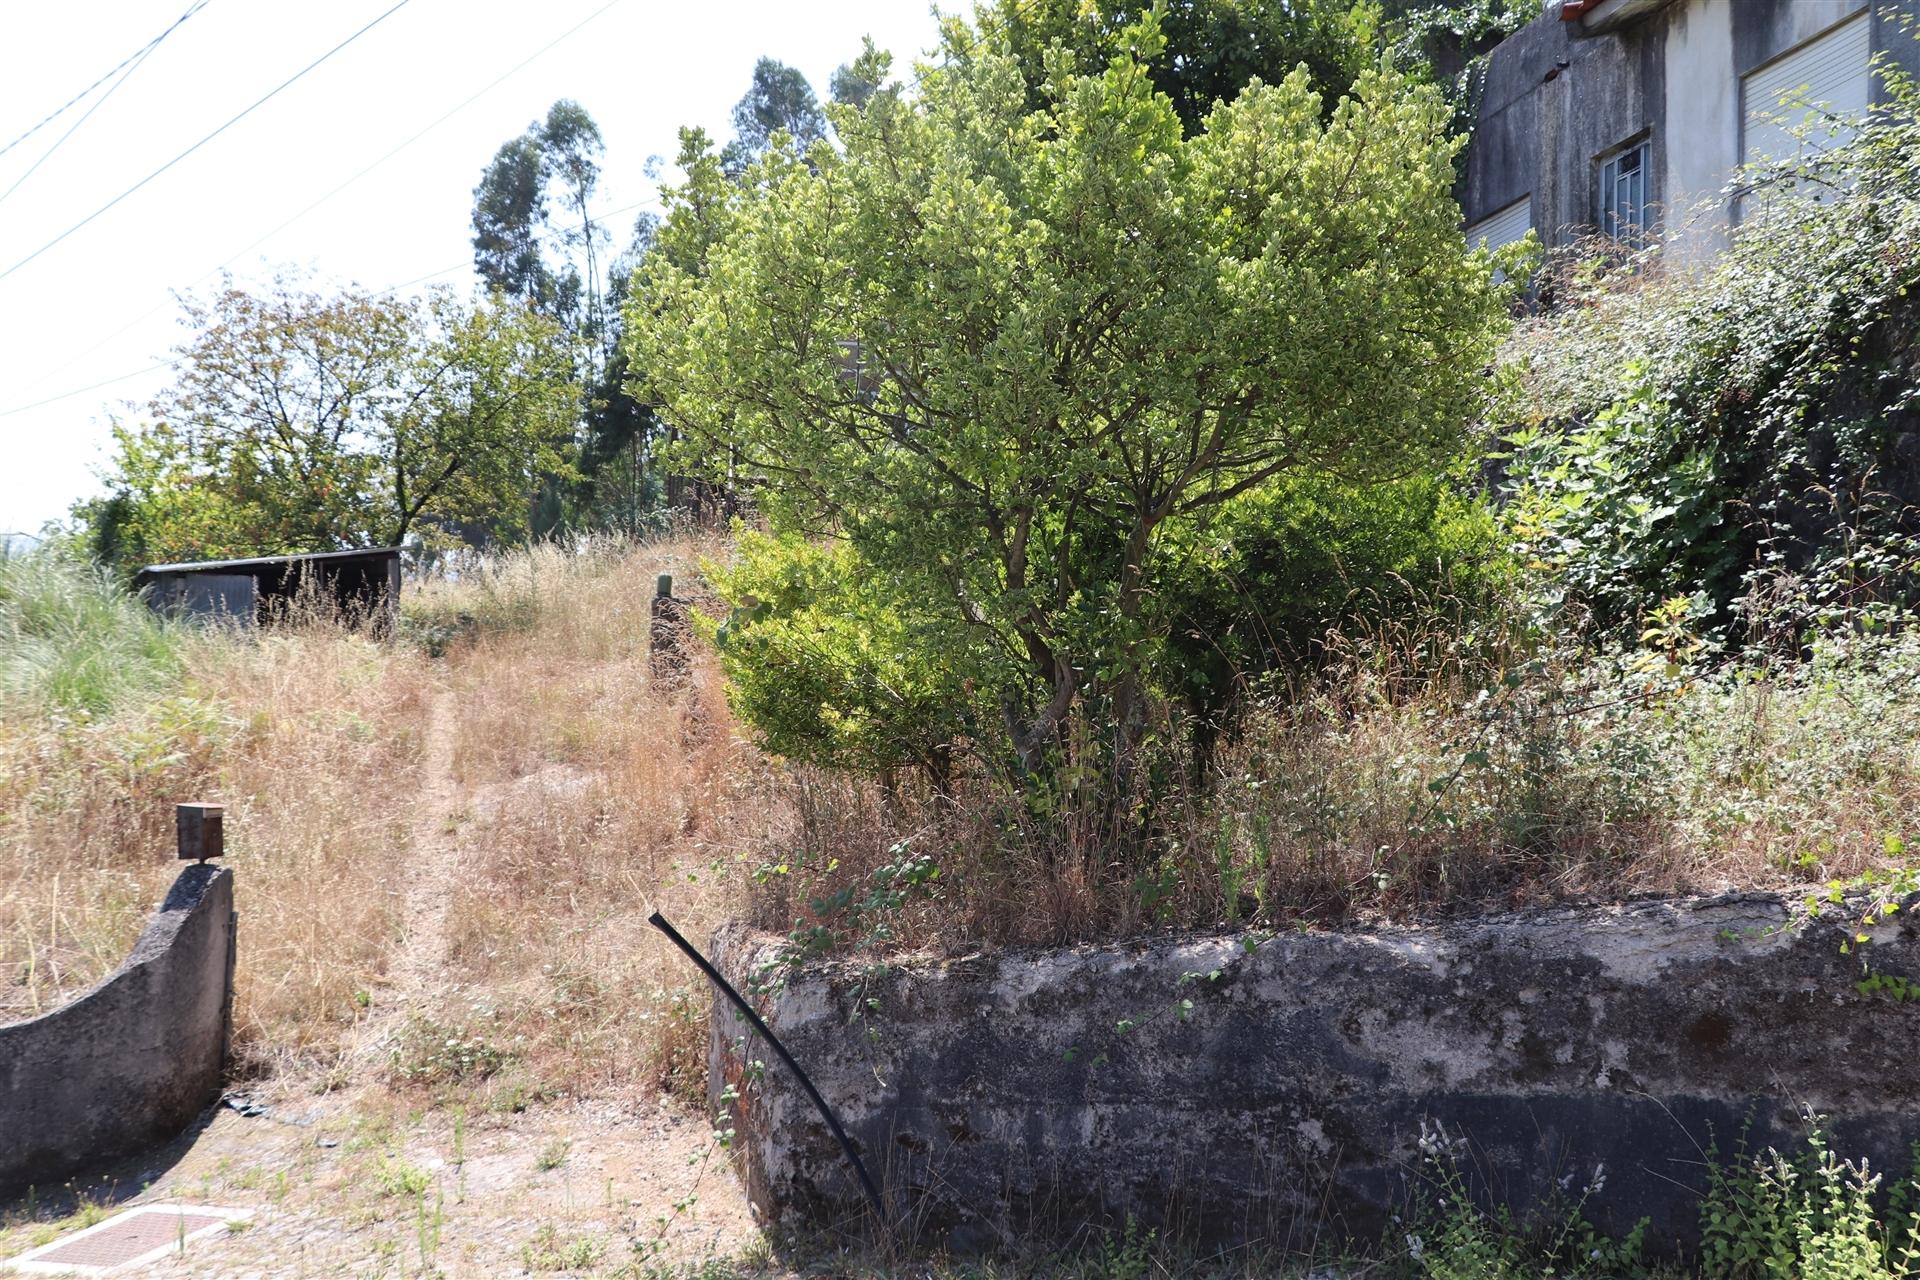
[1510,224]
[1830,72]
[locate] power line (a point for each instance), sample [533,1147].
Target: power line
[502,78]
[80,391]
[470,100]
[141,52]
[392,288]
[562,231]
[100,102]
[274,92]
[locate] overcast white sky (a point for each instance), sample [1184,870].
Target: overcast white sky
[100,305]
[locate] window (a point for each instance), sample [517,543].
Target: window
[1624,210]
[1503,228]
[1801,105]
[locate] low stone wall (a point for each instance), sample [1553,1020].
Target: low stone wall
[133,1061]
[1281,1093]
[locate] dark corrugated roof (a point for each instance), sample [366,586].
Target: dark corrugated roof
[214,566]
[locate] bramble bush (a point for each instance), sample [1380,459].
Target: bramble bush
[1743,434]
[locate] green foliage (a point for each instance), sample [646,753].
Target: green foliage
[549,1251]
[1284,565]
[1012,357]
[511,222]
[74,640]
[1726,432]
[431,1052]
[834,669]
[862,916]
[1453,1238]
[393,1176]
[778,104]
[1212,48]
[1810,1216]
[307,422]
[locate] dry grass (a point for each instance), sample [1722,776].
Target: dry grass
[580,797]
[307,734]
[595,796]
[1423,772]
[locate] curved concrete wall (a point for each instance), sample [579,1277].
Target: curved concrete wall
[131,1062]
[1000,1093]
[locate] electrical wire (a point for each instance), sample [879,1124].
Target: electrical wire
[80,391]
[272,93]
[497,81]
[392,288]
[98,103]
[141,52]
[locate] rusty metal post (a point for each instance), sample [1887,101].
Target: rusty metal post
[200,828]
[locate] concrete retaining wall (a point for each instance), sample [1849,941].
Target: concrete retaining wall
[133,1061]
[1007,1092]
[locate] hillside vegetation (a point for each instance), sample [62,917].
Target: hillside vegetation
[572,797]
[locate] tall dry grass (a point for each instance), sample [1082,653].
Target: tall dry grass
[577,796]
[1424,770]
[308,734]
[593,794]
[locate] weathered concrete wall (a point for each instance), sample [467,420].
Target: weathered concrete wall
[1558,98]
[134,1060]
[997,1092]
[1702,114]
[1553,103]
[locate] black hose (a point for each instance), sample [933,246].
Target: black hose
[659,922]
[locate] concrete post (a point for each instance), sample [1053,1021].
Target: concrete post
[667,636]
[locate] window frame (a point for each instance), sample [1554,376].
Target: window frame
[1633,228]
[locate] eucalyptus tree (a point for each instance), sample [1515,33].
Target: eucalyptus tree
[514,229]
[779,101]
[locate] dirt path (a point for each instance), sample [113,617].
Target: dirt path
[418,978]
[351,1176]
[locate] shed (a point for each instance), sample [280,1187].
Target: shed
[364,583]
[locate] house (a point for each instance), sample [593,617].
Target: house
[1630,117]
[363,584]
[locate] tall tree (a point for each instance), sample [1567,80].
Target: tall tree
[619,488]
[514,227]
[1007,354]
[571,148]
[1211,48]
[509,214]
[302,421]
[855,82]
[778,101]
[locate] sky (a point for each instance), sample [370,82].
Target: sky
[289,189]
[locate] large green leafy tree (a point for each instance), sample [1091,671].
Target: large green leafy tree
[1006,353]
[1211,48]
[302,421]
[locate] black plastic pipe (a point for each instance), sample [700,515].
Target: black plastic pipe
[659,922]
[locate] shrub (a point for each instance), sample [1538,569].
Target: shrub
[1711,433]
[833,669]
[1285,566]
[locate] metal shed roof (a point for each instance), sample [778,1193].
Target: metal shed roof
[261,562]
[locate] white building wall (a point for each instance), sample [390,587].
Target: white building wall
[1703,128]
